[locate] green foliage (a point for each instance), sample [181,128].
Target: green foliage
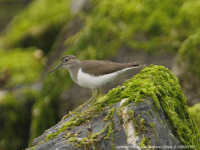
[190,54]
[38,17]
[20,66]
[153,26]
[8,11]
[195,112]
[15,118]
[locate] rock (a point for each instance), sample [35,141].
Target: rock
[77,5]
[149,111]
[153,126]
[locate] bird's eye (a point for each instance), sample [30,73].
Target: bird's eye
[66,60]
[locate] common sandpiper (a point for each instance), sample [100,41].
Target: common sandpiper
[93,74]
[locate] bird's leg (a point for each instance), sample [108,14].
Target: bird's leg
[92,99]
[98,92]
[85,104]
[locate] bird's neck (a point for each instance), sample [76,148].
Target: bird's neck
[73,70]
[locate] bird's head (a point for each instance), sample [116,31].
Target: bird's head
[66,62]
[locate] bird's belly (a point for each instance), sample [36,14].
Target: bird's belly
[93,82]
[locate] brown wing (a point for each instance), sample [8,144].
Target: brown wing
[97,67]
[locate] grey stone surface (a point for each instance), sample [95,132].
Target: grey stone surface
[163,134]
[160,135]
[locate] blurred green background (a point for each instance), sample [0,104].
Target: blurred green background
[34,34]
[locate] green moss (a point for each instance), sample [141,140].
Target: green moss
[38,17]
[32,148]
[121,22]
[195,112]
[88,141]
[76,120]
[15,118]
[105,129]
[20,66]
[172,136]
[137,123]
[109,129]
[109,114]
[144,112]
[83,117]
[189,52]
[142,143]
[152,124]
[142,121]
[165,90]
[37,25]
[73,139]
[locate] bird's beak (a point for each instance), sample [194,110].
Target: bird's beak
[60,65]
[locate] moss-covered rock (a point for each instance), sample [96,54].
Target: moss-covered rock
[195,112]
[164,88]
[154,81]
[40,21]
[19,66]
[35,28]
[152,26]
[15,118]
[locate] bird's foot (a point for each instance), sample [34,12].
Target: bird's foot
[81,107]
[78,109]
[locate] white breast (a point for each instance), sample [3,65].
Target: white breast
[93,82]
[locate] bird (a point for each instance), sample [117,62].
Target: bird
[93,74]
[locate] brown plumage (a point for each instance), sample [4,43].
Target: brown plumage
[98,67]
